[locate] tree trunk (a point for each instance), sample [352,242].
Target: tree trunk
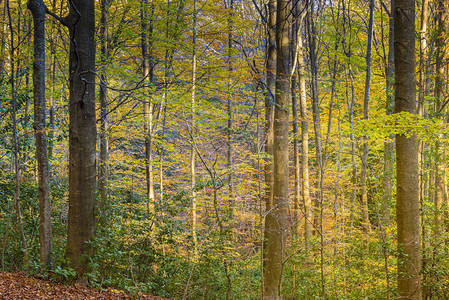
[407,203]
[269,101]
[148,106]
[38,9]
[276,222]
[363,174]
[230,116]
[388,147]
[192,132]
[269,119]
[82,136]
[15,138]
[103,166]
[318,222]
[305,185]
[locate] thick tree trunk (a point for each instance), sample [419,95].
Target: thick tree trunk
[38,9]
[82,136]
[407,203]
[276,222]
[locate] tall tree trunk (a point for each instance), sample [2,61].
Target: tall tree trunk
[276,221]
[192,132]
[269,100]
[15,137]
[407,203]
[318,222]
[82,136]
[269,119]
[363,174]
[424,83]
[148,106]
[388,147]
[305,185]
[103,164]
[297,187]
[38,9]
[439,169]
[230,113]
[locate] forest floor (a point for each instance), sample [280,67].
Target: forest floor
[14,286]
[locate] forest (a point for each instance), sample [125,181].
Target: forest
[234,149]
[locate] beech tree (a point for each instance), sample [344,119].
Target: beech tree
[276,220]
[38,9]
[82,135]
[407,202]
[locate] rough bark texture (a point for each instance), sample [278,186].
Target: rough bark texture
[82,135]
[38,10]
[407,203]
[276,222]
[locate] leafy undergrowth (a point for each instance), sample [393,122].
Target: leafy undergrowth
[19,286]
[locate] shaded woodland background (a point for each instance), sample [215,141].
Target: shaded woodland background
[184,99]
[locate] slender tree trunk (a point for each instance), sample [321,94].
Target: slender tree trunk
[297,168]
[230,113]
[318,152]
[15,138]
[192,132]
[52,98]
[363,174]
[388,147]
[439,169]
[407,203]
[276,221]
[268,126]
[305,185]
[148,106]
[103,166]
[38,9]
[269,101]
[82,136]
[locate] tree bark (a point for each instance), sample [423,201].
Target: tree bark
[276,221]
[38,9]
[192,132]
[82,136]
[230,116]
[305,185]
[407,203]
[103,166]
[148,106]
[366,225]
[388,147]
[269,101]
